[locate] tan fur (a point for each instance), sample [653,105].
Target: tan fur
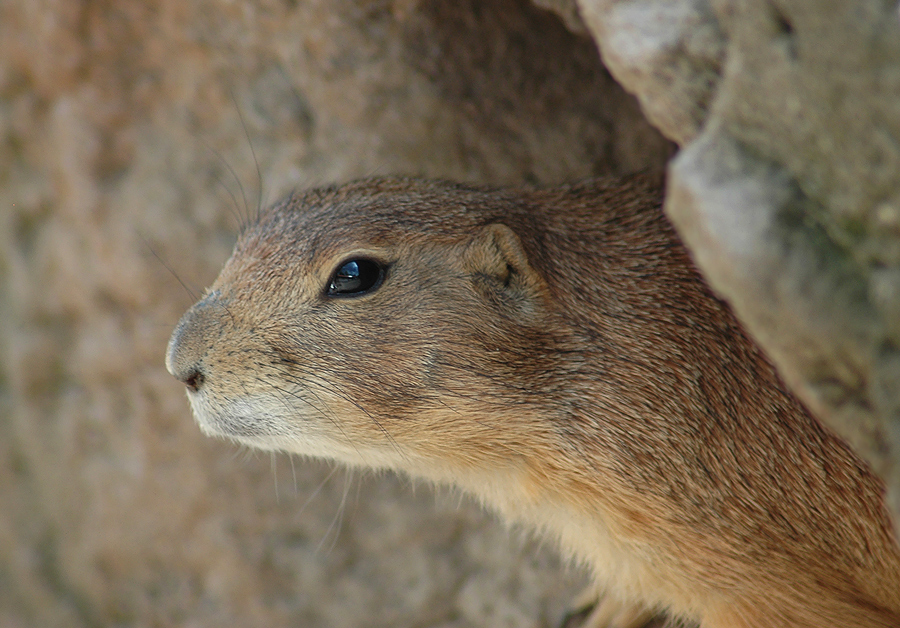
[555,353]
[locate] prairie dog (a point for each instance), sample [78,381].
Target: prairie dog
[555,353]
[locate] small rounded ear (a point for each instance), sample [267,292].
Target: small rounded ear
[500,269]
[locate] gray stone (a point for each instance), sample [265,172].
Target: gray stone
[668,54]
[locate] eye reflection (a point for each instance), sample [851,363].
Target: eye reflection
[355,278]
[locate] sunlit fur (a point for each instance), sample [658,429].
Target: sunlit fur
[554,353]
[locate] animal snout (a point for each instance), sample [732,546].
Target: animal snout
[191,341]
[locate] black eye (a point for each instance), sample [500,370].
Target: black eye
[355,278]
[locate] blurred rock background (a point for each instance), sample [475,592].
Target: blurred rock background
[136,135]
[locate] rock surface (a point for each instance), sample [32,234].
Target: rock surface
[669,54]
[130,135]
[787,187]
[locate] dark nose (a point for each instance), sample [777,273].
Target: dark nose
[191,341]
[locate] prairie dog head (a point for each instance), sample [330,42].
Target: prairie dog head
[555,353]
[387,323]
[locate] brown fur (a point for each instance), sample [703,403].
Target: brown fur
[555,353]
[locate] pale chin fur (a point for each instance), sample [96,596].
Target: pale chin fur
[259,422]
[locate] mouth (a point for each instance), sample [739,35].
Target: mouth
[241,420]
[260,422]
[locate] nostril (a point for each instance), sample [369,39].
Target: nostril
[192,339]
[193,379]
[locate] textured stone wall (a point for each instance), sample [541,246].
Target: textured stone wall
[787,187]
[130,136]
